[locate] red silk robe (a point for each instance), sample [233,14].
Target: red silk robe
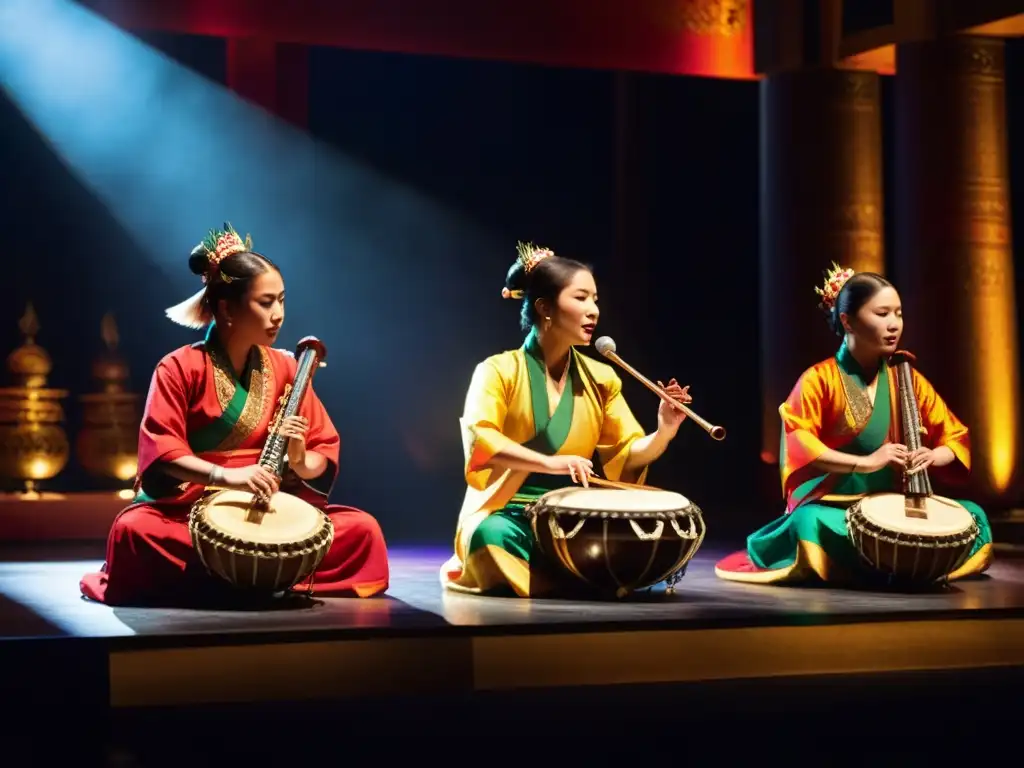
[196,406]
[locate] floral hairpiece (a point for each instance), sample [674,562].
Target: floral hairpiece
[221,243]
[835,279]
[530,256]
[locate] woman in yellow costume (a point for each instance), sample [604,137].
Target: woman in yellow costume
[840,442]
[533,421]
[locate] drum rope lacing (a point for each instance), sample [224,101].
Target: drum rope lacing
[237,546]
[946,541]
[672,577]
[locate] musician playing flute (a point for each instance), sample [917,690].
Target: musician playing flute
[841,441]
[207,417]
[535,419]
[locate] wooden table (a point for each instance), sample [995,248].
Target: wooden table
[45,517]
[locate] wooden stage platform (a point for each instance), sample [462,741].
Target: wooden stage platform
[419,643]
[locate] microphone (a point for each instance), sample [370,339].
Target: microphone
[606,346]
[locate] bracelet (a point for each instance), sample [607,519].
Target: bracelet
[216,476]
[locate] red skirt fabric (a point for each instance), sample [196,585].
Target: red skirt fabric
[150,559]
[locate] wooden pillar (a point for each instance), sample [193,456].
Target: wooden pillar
[627,288]
[821,201]
[274,76]
[954,262]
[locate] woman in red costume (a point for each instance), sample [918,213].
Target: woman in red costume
[207,417]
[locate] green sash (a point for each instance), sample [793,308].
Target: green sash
[551,430]
[213,434]
[205,438]
[867,441]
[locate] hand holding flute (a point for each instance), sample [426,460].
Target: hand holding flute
[675,400]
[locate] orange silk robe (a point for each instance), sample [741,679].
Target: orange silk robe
[821,414]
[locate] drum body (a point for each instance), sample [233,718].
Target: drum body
[909,539]
[270,551]
[618,541]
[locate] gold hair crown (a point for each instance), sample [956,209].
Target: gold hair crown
[835,279]
[220,244]
[530,256]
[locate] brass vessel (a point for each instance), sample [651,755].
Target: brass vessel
[107,446]
[33,444]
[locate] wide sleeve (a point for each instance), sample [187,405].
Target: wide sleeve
[619,430]
[162,435]
[483,421]
[942,427]
[803,415]
[322,437]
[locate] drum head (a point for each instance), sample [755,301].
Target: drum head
[889,511]
[614,500]
[290,519]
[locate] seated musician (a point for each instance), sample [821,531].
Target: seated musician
[206,419]
[534,418]
[840,443]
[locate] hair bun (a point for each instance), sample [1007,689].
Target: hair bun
[199,260]
[516,278]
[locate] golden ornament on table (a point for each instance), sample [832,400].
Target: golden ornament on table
[33,444]
[107,446]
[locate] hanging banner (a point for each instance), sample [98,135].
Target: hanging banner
[706,38]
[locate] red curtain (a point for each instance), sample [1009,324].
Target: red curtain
[711,38]
[271,75]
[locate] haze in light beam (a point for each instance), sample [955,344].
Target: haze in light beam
[171,154]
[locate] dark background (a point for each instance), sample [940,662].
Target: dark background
[521,152]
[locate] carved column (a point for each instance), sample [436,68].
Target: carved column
[821,201]
[954,261]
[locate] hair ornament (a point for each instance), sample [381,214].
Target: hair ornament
[219,244]
[515,294]
[531,255]
[835,279]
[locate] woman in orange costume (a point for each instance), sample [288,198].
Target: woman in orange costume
[841,441]
[206,419]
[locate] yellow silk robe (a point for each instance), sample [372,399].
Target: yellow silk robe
[499,411]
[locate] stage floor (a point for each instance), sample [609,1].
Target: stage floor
[39,598]
[708,630]
[713,652]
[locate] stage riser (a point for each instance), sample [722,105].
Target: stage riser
[58,517]
[712,723]
[453,665]
[760,697]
